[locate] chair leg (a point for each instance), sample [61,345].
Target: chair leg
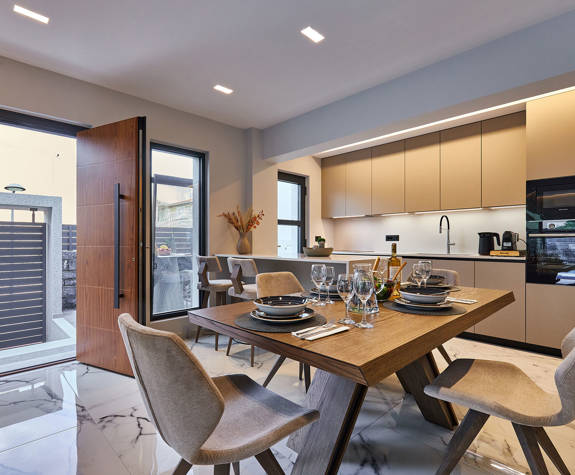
[206,299]
[222,469]
[461,440]
[216,341]
[236,467]
[182,468]
[198,330]
[444,353]
[274,370]
[269,463]
[550,450]
[307,376]
[528,440]
[301,371]
[252,353]
[229,346]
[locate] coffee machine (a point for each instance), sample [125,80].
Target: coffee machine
[509,241]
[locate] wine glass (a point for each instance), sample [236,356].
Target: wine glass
[318,274]
[363,288]
[329,278]
[345,291]
[417,273]
[426,271]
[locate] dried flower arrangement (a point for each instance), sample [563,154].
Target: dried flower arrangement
[243,222]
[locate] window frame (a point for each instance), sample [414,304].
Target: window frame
[202,195]
[301,222]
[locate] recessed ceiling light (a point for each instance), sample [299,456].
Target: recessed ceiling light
[31,14]
[312,34]
[223,89]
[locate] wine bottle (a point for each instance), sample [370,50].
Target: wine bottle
[393,263]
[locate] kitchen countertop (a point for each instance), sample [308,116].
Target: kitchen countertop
[422,255]
[340,258]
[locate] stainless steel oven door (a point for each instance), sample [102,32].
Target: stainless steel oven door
[551,258]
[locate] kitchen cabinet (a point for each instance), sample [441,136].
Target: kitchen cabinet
[358,183]
[509,322]
[550,124]
[550,314]
[465,269]
[333,183]
[388,178]
[422,165]
[460,152]
[503,160]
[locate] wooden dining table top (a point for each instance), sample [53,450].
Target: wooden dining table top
[365,356]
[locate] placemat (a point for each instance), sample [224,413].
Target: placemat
[249,323]
[455,310]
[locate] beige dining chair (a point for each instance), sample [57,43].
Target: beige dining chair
[215,290]
[240,268]
[450,277]
[207,421]
[281,283]
[493,388]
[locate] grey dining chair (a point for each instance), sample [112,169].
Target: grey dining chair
[207,421]
[493,388]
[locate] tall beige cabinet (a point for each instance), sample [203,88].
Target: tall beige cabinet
[358,183]
[422,165]
[388,178]
[333,183]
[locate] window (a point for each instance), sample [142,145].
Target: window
[291,214]
[178,177]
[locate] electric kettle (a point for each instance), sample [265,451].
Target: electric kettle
[486,244]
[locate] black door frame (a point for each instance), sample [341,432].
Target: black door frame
[301,222]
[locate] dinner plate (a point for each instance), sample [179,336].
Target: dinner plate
[281,304]
[424,297]
[423,306]
[305,315]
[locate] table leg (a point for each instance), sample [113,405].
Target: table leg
[414,377]
[321,445]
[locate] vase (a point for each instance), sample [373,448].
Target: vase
[243,246]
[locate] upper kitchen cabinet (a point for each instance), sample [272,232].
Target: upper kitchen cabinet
[422,159]
[358,183]
[504,159]
[461,167]
[333,186]
[388,178]
[551,137]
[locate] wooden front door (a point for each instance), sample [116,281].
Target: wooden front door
[109,230]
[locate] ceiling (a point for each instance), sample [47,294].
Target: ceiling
[173,52]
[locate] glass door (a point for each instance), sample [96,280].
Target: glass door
[291,214]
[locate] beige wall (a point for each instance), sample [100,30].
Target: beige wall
[35,90]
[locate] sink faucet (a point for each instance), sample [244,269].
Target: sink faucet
[449,243]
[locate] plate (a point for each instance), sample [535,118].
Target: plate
[305,315]
[424,297]
[423,306]
[281,304]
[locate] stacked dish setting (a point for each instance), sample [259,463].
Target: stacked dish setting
[282,309]
[424,298]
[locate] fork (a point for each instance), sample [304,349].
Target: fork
[311,331]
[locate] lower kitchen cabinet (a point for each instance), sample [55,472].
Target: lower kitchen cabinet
[465,269]
[550,313]
[509,322]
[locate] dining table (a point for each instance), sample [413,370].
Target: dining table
[348,363]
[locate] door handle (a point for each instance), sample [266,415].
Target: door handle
[117,198]
[553,235]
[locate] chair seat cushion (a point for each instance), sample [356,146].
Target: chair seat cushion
[254,419]
[250,292]
[496,388]
[218,285]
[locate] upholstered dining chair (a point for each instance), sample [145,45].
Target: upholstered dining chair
[281,283]
[493,388]
[207,421]
[215,290]
[450,277]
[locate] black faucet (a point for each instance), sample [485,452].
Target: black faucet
[449,244]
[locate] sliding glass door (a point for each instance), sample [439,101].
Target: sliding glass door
[291,214]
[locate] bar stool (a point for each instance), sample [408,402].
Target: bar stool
[281,283]
[240,268]
[215,290]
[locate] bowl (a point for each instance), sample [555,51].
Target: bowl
[281,304]
[423,295]
[318,251]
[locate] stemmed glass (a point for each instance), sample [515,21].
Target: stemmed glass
[345,291]
[426,271]
[329,278]
[318,274]
[363,288]
[417,273]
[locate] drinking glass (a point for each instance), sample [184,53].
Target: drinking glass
[426,271]
[329,278]
[318,274]
[417,273]
[363,288]
[345,291]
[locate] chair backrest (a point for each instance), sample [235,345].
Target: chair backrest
[277,283]
[207,264]
[451,276]
[181,399]
[248,266]
[565,380]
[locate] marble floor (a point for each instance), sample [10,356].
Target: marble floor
[75,419]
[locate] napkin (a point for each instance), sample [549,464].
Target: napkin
[330,331]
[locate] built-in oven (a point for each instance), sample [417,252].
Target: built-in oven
[551,231]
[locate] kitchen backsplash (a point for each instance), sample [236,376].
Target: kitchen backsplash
[420,232]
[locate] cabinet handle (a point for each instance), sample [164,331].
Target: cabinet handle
[554,235]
